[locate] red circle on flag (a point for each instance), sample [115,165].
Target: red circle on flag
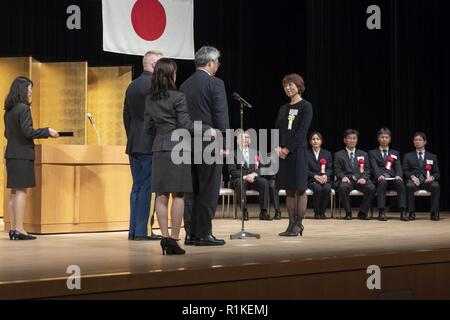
[149,19]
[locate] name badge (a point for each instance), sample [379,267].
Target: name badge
[360,158]
[431,162]
[293,112]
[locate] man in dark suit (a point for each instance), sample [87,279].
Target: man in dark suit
[139,149]
[421,170]
[246,158]
[207,102]
[388,174]
[352,170]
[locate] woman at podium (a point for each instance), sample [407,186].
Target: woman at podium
[19,154]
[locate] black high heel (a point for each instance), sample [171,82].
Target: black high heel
[20,236]
[11,234]
[296,231]
[170,247]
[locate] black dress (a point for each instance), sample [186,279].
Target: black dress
[19,154]
[293,122]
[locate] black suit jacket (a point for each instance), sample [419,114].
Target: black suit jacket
[235,169]
[314,165]
[207,100]
[343,167]
[163,117]
[411,166]
[378,164]
[20,133]
[133,115]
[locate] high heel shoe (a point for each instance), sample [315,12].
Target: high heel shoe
[297,230]
[292,223]
[170,247]
[20,236]
[11,234]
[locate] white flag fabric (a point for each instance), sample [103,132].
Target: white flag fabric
[137,26]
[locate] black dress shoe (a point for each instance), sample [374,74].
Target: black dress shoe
[323,216]
[153,237]
[189,240]
[316,216]
[362,216]
[435,216]
[130,237]
[412,216]
[382,217]
[348,216]
[277,215]
[404,217]
[209,240]
[11,234]
[20,236]
[170,247]
[264,216]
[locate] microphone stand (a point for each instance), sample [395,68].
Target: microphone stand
[243,234]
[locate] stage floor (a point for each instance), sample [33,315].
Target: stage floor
[109,254]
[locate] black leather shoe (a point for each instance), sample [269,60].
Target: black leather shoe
[277,215]
[362,216]
[348,216]
[209,240]
[412,216]
[323,216]
[11,234]
[153,237]
[316,216]
[20,236]
[189,240]
[404,217]
[382,217]
[435,216]
[130,237]
[264,216]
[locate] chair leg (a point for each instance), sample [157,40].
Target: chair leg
[331,201]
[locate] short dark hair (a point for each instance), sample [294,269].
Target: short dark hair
[163,79]
[349,132]
[18,93]
[420,134]
[384,131]
[295,79]
[316,133]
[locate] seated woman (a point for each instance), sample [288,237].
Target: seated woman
[320,164]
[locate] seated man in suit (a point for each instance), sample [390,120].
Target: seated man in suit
[388,174]
[421,171]
[352,170]
[251,177]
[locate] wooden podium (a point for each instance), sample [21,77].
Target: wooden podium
[79,188]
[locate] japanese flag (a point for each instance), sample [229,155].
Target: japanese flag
[137,26]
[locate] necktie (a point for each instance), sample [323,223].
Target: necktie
[352,158]
[385,154]
[421,160]
[246,159]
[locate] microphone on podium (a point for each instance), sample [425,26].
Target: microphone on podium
[91,120]
[237,97]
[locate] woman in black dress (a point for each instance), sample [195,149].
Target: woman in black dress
[166,110]
[320,170]
[19,154]
[293,123]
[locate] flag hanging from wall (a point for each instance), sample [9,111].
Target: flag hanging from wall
[137,26]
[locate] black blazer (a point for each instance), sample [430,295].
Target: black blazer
[162,117]
[411,166]
[235,169]
[295,138]
[343,167]
[20,133]
[207,100]
[378,164]
[133,115]
[314,165]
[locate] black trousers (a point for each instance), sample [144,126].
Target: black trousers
[200,206]
[432,187]
[260,184]
[321,197]
[344,190]
[273,192]
[384,186]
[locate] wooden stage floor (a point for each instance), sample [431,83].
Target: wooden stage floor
[110,263]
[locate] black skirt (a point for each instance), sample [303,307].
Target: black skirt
[293,172]
[20,174]
[170,177]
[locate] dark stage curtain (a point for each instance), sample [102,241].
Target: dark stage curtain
[396,77]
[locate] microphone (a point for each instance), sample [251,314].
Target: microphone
[241,100]
[91,120]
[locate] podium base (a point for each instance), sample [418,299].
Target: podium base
[244,235]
